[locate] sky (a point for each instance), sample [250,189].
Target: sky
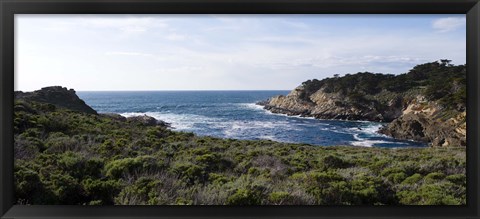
[224,52]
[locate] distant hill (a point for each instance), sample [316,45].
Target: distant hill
[58,96]
[426,104]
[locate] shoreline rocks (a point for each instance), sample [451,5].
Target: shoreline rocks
[68,99]
[399,100]
[411,121]
[148,121]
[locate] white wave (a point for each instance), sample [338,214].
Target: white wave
[362,142]
[336,131]
[240,128]
[253,106]
[304,117]
[292,116]
[229,128]
[257,107]
[366,143]
[372,129]
[268,137]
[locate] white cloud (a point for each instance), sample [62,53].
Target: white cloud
[167,52]
[176,37]
[449,24]
[122,24]
[181,69]
[328,61]
[129,54]
[282,39]
[128,25]
[298,25]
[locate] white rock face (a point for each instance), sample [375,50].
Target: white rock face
[412,118]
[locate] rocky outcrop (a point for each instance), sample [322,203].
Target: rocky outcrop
[409,119]
[58,96]
[67,98]
[401,101]
[114,116]
[291,104]
[425,121]
[415,119]
[323,105]
[147,121]
[143,120]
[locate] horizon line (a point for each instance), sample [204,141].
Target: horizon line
[175,90]
[155,90]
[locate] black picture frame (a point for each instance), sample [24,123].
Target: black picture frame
[8,8]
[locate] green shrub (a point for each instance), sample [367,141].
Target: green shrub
[381,165]
[279,198]
[66,189]
[415,178]
[254,171]
[26,148]
[64,157]
[191,173]
[119,168]
[432,194]
[333,193]
[183,201]
[217,178]
[458,179]
[334,162]
[434,177]
[396,177]
[391,170]
[437,195]
[213,162]
[79,166]
[143,192]
[322,178]
[102,191]
[247,196]
[368,190]
[408,197]
[29,189]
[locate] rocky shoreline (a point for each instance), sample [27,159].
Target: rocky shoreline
[410,114]
[66,98]
[415,125]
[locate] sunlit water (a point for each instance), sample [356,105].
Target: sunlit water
[233,114]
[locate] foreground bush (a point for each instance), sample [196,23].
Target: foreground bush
[65,157]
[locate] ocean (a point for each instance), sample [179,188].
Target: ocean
[234,114]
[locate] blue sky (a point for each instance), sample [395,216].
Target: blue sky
[224,52]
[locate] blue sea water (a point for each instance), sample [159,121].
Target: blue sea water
[233,114]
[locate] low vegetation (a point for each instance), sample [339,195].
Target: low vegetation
[67,157]
[437,81]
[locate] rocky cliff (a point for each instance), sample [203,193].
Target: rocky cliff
[333,105]
[427,121]
[58,96]
[68,99]
[426,104]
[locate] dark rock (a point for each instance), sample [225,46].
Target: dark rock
[424,128]
[116,117]
[410,126]
[148,121]
[58,96]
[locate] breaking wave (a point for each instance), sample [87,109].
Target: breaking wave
[236,115]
